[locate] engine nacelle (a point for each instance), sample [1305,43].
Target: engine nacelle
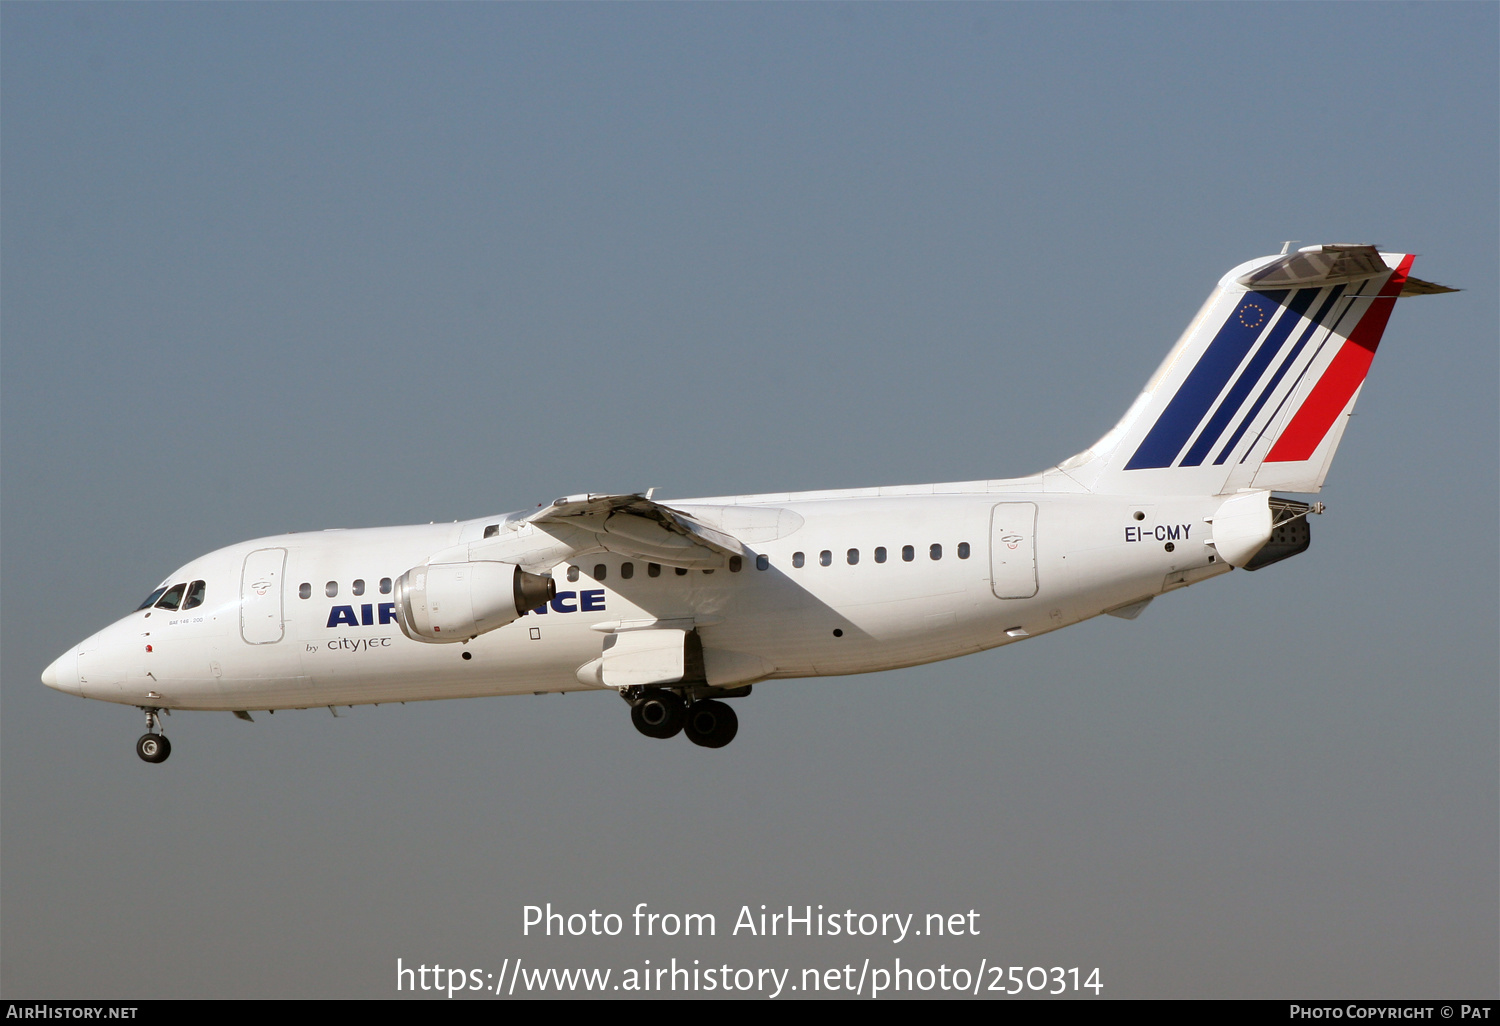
[448,602]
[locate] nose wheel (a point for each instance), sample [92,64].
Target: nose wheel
[152,746]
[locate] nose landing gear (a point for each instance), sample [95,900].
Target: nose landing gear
[151,746]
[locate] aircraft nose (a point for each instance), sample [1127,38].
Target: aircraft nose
[62,674]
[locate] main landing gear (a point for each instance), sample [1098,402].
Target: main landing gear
[657,712]
[152,746]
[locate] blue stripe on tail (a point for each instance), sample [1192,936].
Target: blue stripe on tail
[1212,431]
[1205,381]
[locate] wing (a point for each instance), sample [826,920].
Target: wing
[633,525]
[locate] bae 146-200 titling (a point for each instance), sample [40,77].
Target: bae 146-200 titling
[678,606]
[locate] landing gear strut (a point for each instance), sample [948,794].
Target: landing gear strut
[660,713]
[153,747]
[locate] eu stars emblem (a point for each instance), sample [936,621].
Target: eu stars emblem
[1252,315]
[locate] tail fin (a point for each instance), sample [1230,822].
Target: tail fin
[1258,390]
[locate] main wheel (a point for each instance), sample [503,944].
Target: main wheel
[153,748]
[658,714]
[711,724]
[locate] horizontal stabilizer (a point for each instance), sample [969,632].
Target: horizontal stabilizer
[1418,287]
[1316,265]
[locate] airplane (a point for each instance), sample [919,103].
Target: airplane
[678,607]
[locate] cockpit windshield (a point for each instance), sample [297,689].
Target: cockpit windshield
[188,596]
[194,595]
[150,599]
[173,598]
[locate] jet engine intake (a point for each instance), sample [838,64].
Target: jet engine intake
[451,602]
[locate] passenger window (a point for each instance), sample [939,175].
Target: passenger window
[194,595]
[798,559]
[304,590]
[735,563]
[653,569]
[359,586]
[172,598]
[599,571]
[908,553]
[150,599]
[572,573]
[627,570]
[853,556]
[385,586]
[880,553]
[708,571]
[331,589]
[936,552]
[963,550]
[825,558]
[762,562]
[680,571]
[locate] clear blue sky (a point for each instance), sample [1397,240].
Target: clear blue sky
[276,267]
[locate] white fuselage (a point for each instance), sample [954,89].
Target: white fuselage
[1012,560]
[676,606]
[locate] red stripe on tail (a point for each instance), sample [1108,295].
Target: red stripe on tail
[1344,375]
